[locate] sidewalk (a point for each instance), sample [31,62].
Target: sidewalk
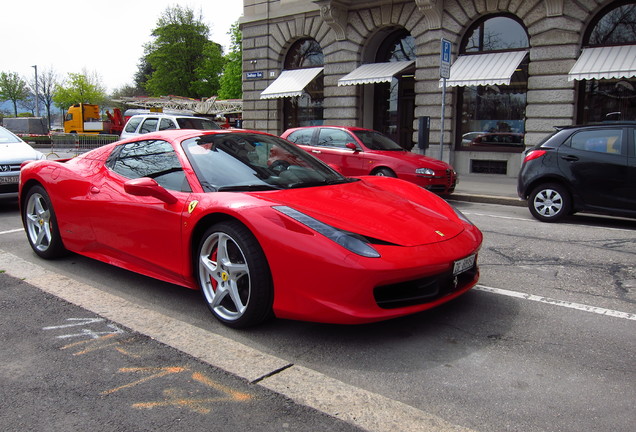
[487,188]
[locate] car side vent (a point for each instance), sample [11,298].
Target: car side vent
[479,166]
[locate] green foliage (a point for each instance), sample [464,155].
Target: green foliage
[181,60]
[232,77]
[80,88]
[14,89]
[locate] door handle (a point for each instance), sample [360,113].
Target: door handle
[94,190]
[316,151]
[570,158]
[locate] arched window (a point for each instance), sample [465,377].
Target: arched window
[395,101]
[306,109]
[609,98]
[492,116]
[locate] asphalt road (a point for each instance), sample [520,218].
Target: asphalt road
[545,343]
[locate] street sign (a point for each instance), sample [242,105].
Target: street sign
[445,59]
[254,75]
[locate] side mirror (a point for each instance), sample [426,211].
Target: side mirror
[146,186]
[351,146]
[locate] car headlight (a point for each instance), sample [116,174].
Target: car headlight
[462,216]
[425,172]
[350,241]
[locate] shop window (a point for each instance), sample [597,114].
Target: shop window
[307,109]
[492,117]
[609,99]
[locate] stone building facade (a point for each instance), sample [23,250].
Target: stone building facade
[537,44]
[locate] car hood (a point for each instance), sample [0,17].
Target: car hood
[420,161]
[368,209]
[17,153]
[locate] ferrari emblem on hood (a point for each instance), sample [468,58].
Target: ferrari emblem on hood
[192,206]
[441,234]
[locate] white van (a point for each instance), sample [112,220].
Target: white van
[145,123]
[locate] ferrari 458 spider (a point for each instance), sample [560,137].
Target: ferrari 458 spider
[261,227]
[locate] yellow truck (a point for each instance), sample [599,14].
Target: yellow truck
[84,118]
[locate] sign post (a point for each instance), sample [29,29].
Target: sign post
[444,73]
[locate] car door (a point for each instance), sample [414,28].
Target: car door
[595,162]
[331,147]
[142,230]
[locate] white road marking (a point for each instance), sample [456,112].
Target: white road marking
[12,231]
[555,302]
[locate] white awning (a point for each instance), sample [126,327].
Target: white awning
[374,73]
[290,83]
[484,69]
[605,62]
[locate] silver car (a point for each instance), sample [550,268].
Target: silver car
[13,151]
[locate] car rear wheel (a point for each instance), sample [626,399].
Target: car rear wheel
[40,224]
[549,202]
[234,276]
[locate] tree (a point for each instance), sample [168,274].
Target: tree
[181,60]
[232,78]
[47,83]
[80,88]
[14,89]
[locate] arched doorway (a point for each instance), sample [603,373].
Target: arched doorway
[388,81]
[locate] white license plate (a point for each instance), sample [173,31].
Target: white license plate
[9,179]
[462,265]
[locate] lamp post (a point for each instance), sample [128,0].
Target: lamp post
[37,95]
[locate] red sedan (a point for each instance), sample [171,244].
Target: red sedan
[219,212]
[356,151]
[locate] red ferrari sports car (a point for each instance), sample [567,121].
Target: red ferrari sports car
[261,227]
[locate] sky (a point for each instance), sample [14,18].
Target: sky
[103,37]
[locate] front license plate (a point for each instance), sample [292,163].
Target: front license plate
[9,179]
[462,265]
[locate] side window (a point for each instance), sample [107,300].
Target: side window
[132,124]
[149,125]
[150,158]
[600,141]
[302,136]
[334,138]
[166,123]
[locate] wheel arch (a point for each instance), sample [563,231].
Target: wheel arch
[24,190]
[382,167]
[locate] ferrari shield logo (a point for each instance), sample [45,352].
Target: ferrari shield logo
[192,206]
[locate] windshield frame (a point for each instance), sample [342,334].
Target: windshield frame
[252,161]
[374,140]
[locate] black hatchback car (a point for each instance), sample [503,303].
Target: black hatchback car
[588,168]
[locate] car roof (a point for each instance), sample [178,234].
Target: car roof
[599,124]
[189,133]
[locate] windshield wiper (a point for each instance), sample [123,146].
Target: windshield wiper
[248,187]
[325,182]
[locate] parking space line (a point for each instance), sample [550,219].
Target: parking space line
[12,231]
[555,302]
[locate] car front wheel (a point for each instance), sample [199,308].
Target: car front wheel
[40,224]
[549,202]
[234,276]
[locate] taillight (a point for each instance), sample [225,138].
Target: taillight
[534,154]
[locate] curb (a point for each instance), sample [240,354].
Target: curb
[488,199]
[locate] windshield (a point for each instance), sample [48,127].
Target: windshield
[251,161]
[7,137]
[196,123]
[376,141]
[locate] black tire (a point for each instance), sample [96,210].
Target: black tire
[384,172]
[40,224]
[550,202]
[233,275]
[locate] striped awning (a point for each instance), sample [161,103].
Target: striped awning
[374,73]
[290,83]
[605,62]
[484,69]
